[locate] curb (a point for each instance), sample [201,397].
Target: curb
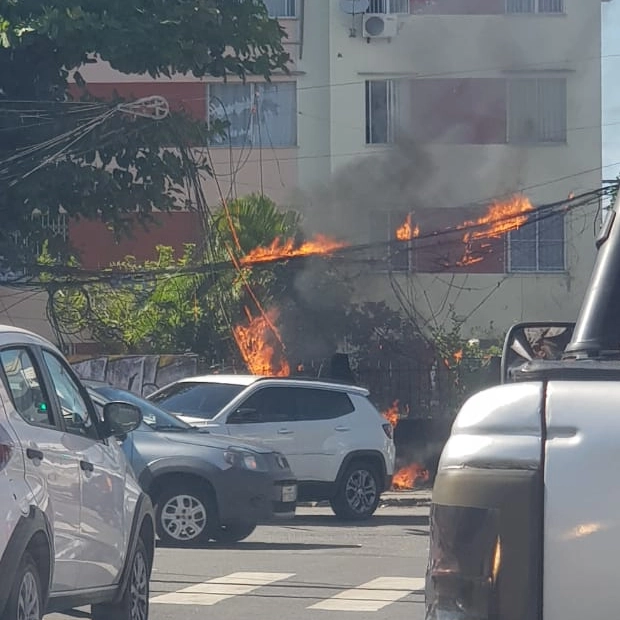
[393,498]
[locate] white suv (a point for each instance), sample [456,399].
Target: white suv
[75,528]
[339,446]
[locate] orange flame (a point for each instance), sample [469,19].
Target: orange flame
[458,356]
[392,415]
[406,232]
[407,477]
[260,345]
[501,218]
[320,244]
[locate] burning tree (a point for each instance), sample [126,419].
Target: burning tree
[230,304]
[172,304]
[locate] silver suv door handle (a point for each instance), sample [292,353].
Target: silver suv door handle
[285,431]
[34,454]
[86,466]
[342,428]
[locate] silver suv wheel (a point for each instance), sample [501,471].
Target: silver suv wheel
[183,517]
[29,597]
[186,513]
[139,587]
[25,600]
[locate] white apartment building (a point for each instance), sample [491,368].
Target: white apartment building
[487,98]
[425,107]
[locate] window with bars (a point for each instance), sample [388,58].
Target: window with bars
[534,6]
[537,110]
[281,8]
[398,255]
[259,114]
[538,246]
[389,6]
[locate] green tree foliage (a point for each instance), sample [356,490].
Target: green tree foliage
[56,152]
[467,366]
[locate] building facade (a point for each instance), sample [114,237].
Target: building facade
[441,107]
[430,110]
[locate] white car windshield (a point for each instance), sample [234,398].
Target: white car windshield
[196,399]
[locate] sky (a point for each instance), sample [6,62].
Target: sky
[611,89]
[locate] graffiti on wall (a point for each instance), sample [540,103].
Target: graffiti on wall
[141,374]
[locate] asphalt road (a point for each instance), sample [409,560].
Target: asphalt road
[312,568]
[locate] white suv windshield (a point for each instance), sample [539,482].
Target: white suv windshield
[200,400]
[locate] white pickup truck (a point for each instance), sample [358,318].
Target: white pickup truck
[525,519]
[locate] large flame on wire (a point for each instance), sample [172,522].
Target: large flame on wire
[261,346]
[279,249]
[501,218]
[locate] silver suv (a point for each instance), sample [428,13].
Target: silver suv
[76,529]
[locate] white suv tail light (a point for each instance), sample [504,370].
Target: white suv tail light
[6,448]
[388,429]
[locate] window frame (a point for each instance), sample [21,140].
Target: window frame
[387,7]
[391,106]
[96,435]
[536,10]
[392,242]
[42,377]
[288,3]
[538,241]
[255,393]
[267,143]
[300,399]
[535,142]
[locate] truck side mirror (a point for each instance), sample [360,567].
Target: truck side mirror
[533,341]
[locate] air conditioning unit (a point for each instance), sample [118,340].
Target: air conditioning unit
[380,25]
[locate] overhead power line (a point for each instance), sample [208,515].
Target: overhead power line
[67,276]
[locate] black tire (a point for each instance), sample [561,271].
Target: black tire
[358,494]
[233,531]
[195,526]
[134,604]
[25,600]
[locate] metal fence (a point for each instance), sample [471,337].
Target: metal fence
[420,389]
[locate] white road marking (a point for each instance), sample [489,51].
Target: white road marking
[372,596]
[219,589]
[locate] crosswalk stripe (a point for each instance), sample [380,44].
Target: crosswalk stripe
[219,589]
[373,595]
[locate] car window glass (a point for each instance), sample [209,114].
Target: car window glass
[26,388]
[98,408]
[200,399]
[316,404]
[273,404]
[152,415]
[73,406]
